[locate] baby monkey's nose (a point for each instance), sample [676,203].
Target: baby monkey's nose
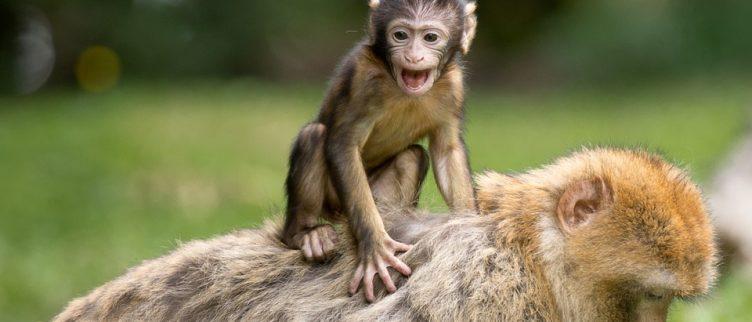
[412,59]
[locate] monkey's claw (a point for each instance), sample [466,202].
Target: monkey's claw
[377,263]
[318,243]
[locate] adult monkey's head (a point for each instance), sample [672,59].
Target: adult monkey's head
[418,38]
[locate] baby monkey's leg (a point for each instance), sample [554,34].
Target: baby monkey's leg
[306,185]
[396,185]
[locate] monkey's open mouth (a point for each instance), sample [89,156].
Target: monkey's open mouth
[415,81]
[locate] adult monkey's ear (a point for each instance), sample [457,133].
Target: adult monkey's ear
[582,202]
[374,3]
[471,21]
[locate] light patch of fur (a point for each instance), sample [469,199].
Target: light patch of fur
[374,3]
[661,278]
[446,157]
[428,10]
[444,181]
[470,8]
[471,24]
[551,251]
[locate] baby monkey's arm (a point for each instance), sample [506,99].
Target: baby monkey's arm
[376,250]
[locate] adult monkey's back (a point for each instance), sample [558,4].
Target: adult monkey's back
[602,235]
[402,83]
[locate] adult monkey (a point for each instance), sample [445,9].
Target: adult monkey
[600,235]
[403,83]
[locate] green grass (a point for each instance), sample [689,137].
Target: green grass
[93,184]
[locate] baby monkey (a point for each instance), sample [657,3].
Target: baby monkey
[401,84]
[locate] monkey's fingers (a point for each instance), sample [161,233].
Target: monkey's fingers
[327,246]
[329,239]
[399,265]
[318,253]
[368,282]
[385,277]
[357,277]
[306,248]
[400,247]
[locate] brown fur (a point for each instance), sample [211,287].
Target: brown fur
[397,122]
[512,263]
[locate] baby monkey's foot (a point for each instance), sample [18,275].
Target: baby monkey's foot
[376,263]
[317,243]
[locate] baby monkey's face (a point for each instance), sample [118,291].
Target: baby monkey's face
[416,51]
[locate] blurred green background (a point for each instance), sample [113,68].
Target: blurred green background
[129,126]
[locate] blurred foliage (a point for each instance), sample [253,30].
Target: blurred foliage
[612,40]
[529,42]
[92,184]
[8,30]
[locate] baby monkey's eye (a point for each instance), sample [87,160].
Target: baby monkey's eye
[400,35]
[431,37]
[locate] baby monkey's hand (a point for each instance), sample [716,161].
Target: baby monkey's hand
[375,262]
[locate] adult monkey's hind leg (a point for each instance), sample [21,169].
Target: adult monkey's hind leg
[307,181]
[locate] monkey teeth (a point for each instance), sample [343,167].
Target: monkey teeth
[415,80]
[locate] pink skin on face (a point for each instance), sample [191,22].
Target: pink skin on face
[416,53]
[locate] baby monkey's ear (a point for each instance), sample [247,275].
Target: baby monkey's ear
[374,3]
[471,22]
[581,202]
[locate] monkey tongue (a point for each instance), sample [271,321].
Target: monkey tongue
[414,79]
